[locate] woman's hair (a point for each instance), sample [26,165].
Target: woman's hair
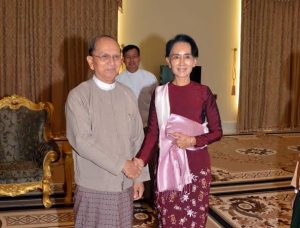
[182,38]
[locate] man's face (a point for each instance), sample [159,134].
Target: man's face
[106,59]
[132,60]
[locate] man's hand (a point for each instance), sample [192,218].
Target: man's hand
[138,190]
[139,162]
[132,170]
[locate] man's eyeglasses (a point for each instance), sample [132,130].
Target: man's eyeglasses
[106,58]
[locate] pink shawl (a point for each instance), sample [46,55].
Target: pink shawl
[173,169]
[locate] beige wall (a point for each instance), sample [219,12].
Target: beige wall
[214,24]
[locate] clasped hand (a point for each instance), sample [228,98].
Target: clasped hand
[133,168]
[182,141]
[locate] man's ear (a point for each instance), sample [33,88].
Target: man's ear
[90,61]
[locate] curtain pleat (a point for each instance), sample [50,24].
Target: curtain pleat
[270,59]
[43,47]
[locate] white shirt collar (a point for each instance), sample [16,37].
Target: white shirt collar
[133,72]
[104,86]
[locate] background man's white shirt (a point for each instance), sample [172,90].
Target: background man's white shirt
[142,83]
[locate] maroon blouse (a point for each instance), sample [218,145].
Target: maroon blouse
[193,101]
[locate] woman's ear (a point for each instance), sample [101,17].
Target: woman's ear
[168,61]
[195,62]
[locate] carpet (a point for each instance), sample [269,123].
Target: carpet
[37,218]
[250,173]
[263,209]
[251,180]
[254,158]
[144,216]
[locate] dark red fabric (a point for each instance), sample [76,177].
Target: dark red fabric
[191,101]
[187,208]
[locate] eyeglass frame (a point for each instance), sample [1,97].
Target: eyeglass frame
[106,58]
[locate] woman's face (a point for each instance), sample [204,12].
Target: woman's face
[181,60]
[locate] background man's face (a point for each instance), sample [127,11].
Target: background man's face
[132,60]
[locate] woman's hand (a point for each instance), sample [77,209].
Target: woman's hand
[183,141]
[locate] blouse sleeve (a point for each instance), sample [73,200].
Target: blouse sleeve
[213,121]
[152,134]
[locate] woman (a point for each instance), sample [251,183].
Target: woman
[177,117]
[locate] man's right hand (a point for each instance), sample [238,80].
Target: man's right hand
[132,169]
[139,162]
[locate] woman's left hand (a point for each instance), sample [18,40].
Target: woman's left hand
[183,141]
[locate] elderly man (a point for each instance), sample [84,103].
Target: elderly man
[105,131]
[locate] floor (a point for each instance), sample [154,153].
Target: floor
[250,188]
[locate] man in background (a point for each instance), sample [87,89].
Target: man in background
[105,131]
[140,81]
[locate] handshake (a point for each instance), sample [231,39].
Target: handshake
[133,168]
